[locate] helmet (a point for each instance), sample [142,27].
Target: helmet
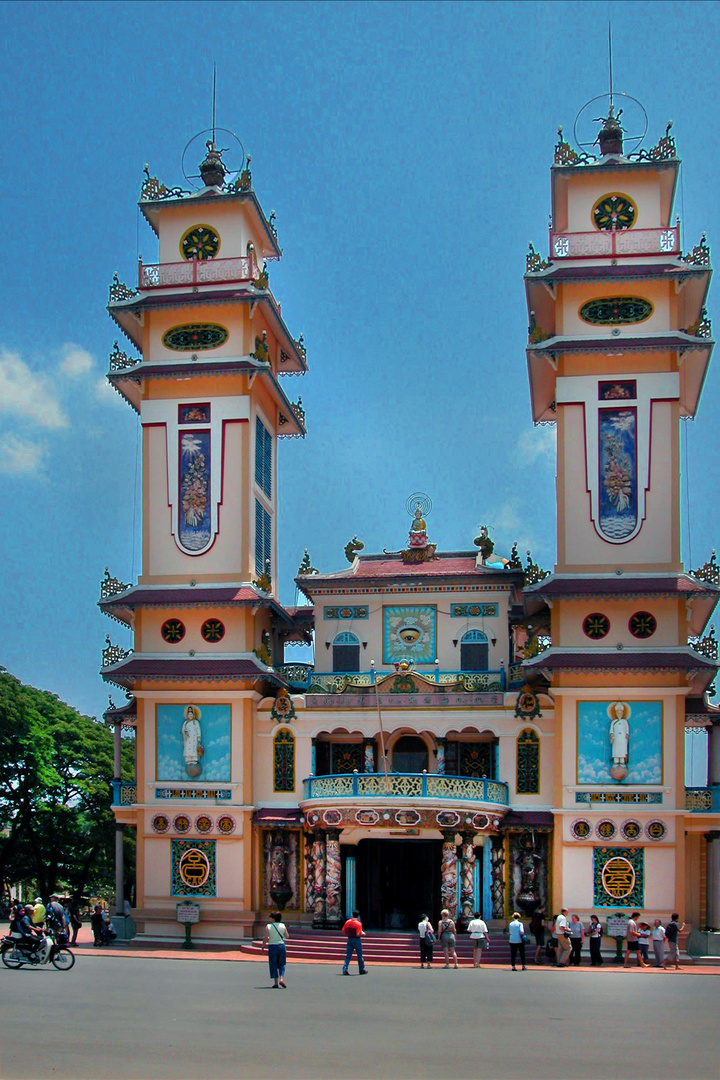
[38,900]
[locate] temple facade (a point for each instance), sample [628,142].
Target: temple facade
[474,732]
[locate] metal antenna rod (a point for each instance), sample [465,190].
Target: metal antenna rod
[610,62]
[214,96]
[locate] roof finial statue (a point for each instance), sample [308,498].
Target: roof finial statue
[212,169]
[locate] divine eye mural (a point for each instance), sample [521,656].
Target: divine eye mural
[193,742]
[619,742]
[617,433]
[409,634]
[194,490]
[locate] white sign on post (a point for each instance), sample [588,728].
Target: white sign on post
[617,925]
[188,912]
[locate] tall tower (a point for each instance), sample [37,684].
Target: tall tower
[207,384]
[619,345]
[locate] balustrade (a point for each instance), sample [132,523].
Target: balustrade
[703,800]
[197,272]
[406,786]
[615,243]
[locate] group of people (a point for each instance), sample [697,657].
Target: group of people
[34,924]
[566,936]
[447,935]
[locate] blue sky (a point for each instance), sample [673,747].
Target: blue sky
[405,148]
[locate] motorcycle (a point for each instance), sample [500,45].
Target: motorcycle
[15,953]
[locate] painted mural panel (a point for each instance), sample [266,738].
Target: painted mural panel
[617,459]
[618,877]
[619,742]
[194,490]
[193,868]
[193,742]
[409,633]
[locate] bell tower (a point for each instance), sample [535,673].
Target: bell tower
[212,349]
[619,343]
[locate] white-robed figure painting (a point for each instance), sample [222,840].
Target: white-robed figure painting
[619,742]
[193,742]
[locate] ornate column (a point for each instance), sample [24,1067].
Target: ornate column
[714,755]
[440,766]
[309,877]
[333,879]
[318,854]
[467,887]
[713,879]
[119,864]
[368,755]
[448,884]
[497,887]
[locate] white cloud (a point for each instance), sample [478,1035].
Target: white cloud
[27,395]
[76,361]
[20,457]
[536,445]
[507,522]
[106,392]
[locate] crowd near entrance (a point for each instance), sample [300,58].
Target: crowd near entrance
[396,881]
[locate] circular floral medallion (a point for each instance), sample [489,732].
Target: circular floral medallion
[614,211]
[581,829]
[226,824]
[616,310]
[200,242]
[596,625]
[618,877]
[191,337]
[642,624]
[203,823]
[160,823]
[606,829]
[631,829]
[656,830]
[181,823]
[212,630]
[173,631]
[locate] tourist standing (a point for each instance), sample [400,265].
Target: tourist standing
[447,937]
[97,922]
[516,932]
[275,937]
[658,940]
[552,944]
[672,933]
[478,931]
[633,941]
[354,933]
[75,920]
[562,933]
[537,929]
[427,940]
[644,933]
[577,936]
[595,933]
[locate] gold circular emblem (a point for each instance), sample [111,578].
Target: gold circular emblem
[194,868]
[618,877]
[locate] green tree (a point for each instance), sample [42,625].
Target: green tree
[56,768]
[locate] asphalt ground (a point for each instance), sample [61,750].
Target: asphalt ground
[143,1018]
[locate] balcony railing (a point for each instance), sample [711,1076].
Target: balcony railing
[124,794]
[197,272]
[699,800]
[615,243]
[406,786]
[305,678]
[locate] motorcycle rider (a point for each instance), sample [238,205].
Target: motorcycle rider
[31,936]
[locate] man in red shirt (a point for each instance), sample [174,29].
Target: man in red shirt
[354,933]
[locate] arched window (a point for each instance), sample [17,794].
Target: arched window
[474,651]
[410,755]
[528,762]
[346,652]
[284,761]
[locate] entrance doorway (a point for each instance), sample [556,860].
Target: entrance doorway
[398,881]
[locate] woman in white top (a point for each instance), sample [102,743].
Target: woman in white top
[478,931]
[275,937]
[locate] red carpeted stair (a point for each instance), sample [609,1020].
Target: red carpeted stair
[385,947]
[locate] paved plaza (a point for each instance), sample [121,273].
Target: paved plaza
[126,1017]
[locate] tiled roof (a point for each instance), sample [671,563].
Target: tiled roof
[568,586]
[186,668]
[177,595]
[634,271]
[390,567]
[597,659]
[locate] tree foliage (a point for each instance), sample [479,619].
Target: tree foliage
[56,769]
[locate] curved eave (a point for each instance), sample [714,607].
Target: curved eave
[122,606]
[129,382]
[147,668]
[129,314]
[126,714]
[152,208]
[693,359]
[698,670]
